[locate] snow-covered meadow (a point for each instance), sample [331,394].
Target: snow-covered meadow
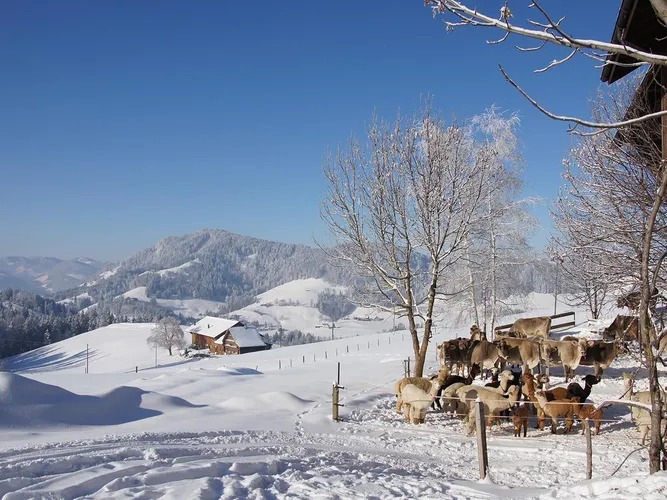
[259,426]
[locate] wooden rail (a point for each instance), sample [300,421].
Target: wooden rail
[553,327]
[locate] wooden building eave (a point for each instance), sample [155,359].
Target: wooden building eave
[637,26]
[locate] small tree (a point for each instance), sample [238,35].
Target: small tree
[167,334]
[334,306]
[400,208]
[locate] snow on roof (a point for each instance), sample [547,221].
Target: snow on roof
[246,337]
[210,326]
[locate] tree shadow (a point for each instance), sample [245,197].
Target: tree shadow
[49,359]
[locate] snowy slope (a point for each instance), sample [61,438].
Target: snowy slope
[259,426]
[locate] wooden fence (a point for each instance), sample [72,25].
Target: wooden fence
[554,326]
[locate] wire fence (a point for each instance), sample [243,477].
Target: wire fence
[543,414]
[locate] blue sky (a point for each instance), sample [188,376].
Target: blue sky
[123,122]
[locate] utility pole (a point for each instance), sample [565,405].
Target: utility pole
[558,259]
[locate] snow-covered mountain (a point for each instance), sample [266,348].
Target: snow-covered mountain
[211,265]
[46,275]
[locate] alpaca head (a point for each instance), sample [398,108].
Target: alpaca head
[435,387]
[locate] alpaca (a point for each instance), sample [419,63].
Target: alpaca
[416,402]
[520,417]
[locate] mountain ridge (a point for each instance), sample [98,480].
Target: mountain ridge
[211,264]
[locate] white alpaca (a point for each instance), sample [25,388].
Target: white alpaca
[417,401]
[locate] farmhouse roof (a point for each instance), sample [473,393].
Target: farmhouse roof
[246,337]
[213,327]
[637,26]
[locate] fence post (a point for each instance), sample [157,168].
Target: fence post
[334,401]
[325,355]
[406,367]
[348,348]
[335,396]
[313,357]
[589,450]
[304,359]
[290,362]
[279,365]
[136,369]
[481,439]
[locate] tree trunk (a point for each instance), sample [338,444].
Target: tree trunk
[494,280]
[471,278]
[646,330]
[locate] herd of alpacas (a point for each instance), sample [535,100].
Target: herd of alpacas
[515,394]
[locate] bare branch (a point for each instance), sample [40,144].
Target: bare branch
[579,121]
[473,17]
[557,62]
[531,49]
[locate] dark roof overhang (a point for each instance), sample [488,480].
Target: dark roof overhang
[637,26]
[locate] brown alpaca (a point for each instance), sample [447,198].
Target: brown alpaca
[588,412]
[558,408]
[520,419]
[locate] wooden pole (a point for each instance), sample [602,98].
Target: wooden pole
[334,401]
[279,365]
[335,395]
[589,450]
[86,358]
[482,454]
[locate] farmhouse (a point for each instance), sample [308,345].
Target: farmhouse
[226,336]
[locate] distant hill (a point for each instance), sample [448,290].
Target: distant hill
[210,265]
[46,275]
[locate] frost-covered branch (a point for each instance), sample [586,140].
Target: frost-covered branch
[551,31]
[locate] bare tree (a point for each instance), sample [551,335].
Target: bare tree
[612,217]
[586,279]
[399,209]
[335,306]
[167,334]
[502,223]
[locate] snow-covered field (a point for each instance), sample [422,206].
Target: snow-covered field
[259,426]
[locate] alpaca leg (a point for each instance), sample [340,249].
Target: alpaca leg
[568,423]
